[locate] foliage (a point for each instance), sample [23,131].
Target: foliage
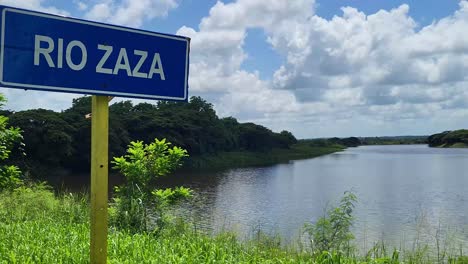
[48,140]
[347,142]
[398,140]
[171,196]
[37,201]
[355,142]
[327,142]
[332,231]
[137,204]
[62,140]
[55,234]
[233,159]
[10,175]
[456,138]
[38,227]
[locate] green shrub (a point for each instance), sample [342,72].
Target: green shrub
[332,231]
[10,175]
[137,206]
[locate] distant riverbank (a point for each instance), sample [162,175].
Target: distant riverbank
[237,159]
[449,139]
[303,149]
[455,145]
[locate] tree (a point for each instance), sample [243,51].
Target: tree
[351,142]
[137,202]
[80,160]
[10,175]
[231,130]
[49,137]
[285,139]
[255,137]
[437,139]
[62,140]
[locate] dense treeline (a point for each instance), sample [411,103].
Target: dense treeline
[323,142]
[361,141]
[62,140]
[397,140]
[456,138]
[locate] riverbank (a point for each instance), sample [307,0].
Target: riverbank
[38,227]
[225,160]
[449,139]
[455,145]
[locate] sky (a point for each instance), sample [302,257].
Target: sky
[317,68]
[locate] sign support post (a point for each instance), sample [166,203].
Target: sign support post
[99,178]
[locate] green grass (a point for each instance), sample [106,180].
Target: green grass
[38,227]
[459,145]
[224,160]
[456,145]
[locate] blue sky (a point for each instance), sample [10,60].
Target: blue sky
[190,12]
[309,66]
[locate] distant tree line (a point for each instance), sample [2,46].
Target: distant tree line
[360,141]
[324,142]
[397,140]
[456,138]
[62,139]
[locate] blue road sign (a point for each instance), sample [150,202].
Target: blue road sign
[53,53]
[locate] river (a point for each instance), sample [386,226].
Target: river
[405,193]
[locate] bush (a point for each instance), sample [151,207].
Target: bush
[137,206]
[332,231]
[10,175]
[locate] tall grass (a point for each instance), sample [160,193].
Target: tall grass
[38,227]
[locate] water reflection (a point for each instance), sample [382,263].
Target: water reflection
[397,187]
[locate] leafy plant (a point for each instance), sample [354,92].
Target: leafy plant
[10,175]
[332,231]
[137,205]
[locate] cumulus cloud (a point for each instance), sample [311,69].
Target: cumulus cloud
[373,52]
[382,66]
[37,5]
[19,99]
[217,54]
[129,12]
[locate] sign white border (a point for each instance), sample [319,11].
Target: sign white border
[89,91]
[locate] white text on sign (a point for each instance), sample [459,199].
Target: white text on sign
[121,64]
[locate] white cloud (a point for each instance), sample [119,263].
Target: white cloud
[380,66]
[379,49]
[19,99]
[256,13]
[82,6]
[217,55]
[37,5]
[129,12]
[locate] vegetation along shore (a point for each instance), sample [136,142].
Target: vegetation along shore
[37,226]
[60,141]
[449,139]
[40,225]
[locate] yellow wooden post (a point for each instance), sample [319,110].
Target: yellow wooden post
[99,174]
